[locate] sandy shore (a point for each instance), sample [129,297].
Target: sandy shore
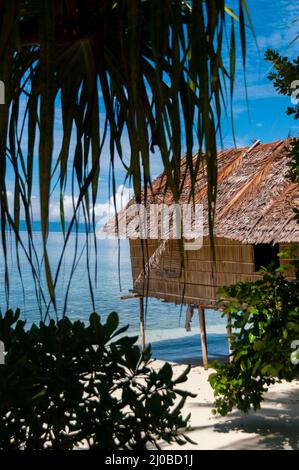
[275,426]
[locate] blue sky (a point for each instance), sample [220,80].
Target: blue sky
[275,27]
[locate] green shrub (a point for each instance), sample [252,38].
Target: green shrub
[265,315]
[65,384]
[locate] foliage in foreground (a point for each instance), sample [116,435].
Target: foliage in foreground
[64,384]
[142,73]
[266,316]
[284,75]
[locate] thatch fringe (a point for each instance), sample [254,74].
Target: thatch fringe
[255,198]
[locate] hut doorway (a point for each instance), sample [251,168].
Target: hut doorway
[264,255]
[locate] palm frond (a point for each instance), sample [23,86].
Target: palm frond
[154,68]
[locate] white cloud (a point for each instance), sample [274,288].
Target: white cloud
[284,30]
[265,90]
[274,40]
[35,205]
[239,109]
[241,142]
[68,206]
[105,210]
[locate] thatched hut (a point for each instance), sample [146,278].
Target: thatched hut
[254,221]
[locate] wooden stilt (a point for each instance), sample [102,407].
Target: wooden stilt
[229,334]
[142,329]
[2,353]
[141,315]
[203,336]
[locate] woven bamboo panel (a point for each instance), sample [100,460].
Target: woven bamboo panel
[173,245]
[178,299]
[223,253]
[221,267]
[196,281]
[204,267]
[177,286]
[220,241]
[137,249]
[219,279]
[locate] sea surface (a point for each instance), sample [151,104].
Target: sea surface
[164,322]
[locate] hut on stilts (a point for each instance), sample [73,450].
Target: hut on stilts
[254,220]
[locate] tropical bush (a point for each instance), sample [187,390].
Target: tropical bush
[147,74]
[265,315]
[284,75]
[66,384]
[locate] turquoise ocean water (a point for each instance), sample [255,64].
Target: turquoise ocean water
[164,322]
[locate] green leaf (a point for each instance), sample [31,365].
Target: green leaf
[133,356]
[230,12]
[112,322]
[183,376]
[166,372]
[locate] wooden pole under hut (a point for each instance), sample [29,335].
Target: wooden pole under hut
[142,328]
[141,316]
[229,335]
[203,336]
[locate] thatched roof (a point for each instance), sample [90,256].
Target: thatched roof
[255,198]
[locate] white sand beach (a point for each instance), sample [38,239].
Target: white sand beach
[274,427]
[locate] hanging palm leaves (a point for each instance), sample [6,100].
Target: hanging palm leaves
[154,69]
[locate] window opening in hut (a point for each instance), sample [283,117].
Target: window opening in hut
[264,255]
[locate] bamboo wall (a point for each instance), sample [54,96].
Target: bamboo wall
[194,284]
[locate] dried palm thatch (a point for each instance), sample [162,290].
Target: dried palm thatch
[255,198]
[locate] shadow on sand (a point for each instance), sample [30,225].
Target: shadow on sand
[187,350]
[277,424]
